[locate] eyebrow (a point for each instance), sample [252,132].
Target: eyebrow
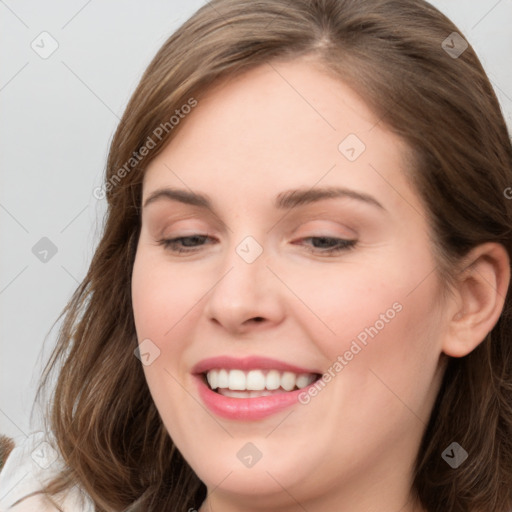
[284,201]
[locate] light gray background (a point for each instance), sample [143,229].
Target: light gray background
[58,117]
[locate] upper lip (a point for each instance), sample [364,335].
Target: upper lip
[246,364]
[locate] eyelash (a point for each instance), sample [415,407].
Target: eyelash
[171,244]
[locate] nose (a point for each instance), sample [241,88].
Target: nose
[247,295]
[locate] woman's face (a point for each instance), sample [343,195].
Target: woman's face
[275,288]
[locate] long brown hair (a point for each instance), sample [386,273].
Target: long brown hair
[392,52]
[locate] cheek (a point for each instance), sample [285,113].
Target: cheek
[383,317]
[163,305]
[381,361]
[163,296]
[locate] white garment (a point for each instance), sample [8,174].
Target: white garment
[32,463]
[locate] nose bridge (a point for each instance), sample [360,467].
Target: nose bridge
[246,289]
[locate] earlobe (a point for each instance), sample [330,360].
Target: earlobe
[482,286]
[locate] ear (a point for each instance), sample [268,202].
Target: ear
[480,293]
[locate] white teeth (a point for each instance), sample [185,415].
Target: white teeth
[288,381]
[244,394]
[304,380]
[273,380]
[237,380]
[223,381]
[256,382]
[213,379]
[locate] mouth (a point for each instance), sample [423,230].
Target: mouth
[251,388]
[237,383]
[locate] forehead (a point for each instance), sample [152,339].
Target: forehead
[278,126]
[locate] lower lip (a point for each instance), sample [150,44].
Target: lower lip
[246,409]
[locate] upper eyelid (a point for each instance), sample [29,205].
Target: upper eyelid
[209,235]
[299,211]
[198,214]
[302,219]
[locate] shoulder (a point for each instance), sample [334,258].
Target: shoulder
[31,464]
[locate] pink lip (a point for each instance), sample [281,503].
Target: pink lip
[246,364]
[246,409]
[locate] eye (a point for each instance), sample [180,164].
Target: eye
[321,244]
[329,245]
[183,244]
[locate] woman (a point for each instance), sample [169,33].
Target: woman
[301,297]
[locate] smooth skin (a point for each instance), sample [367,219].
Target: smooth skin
[352,447]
